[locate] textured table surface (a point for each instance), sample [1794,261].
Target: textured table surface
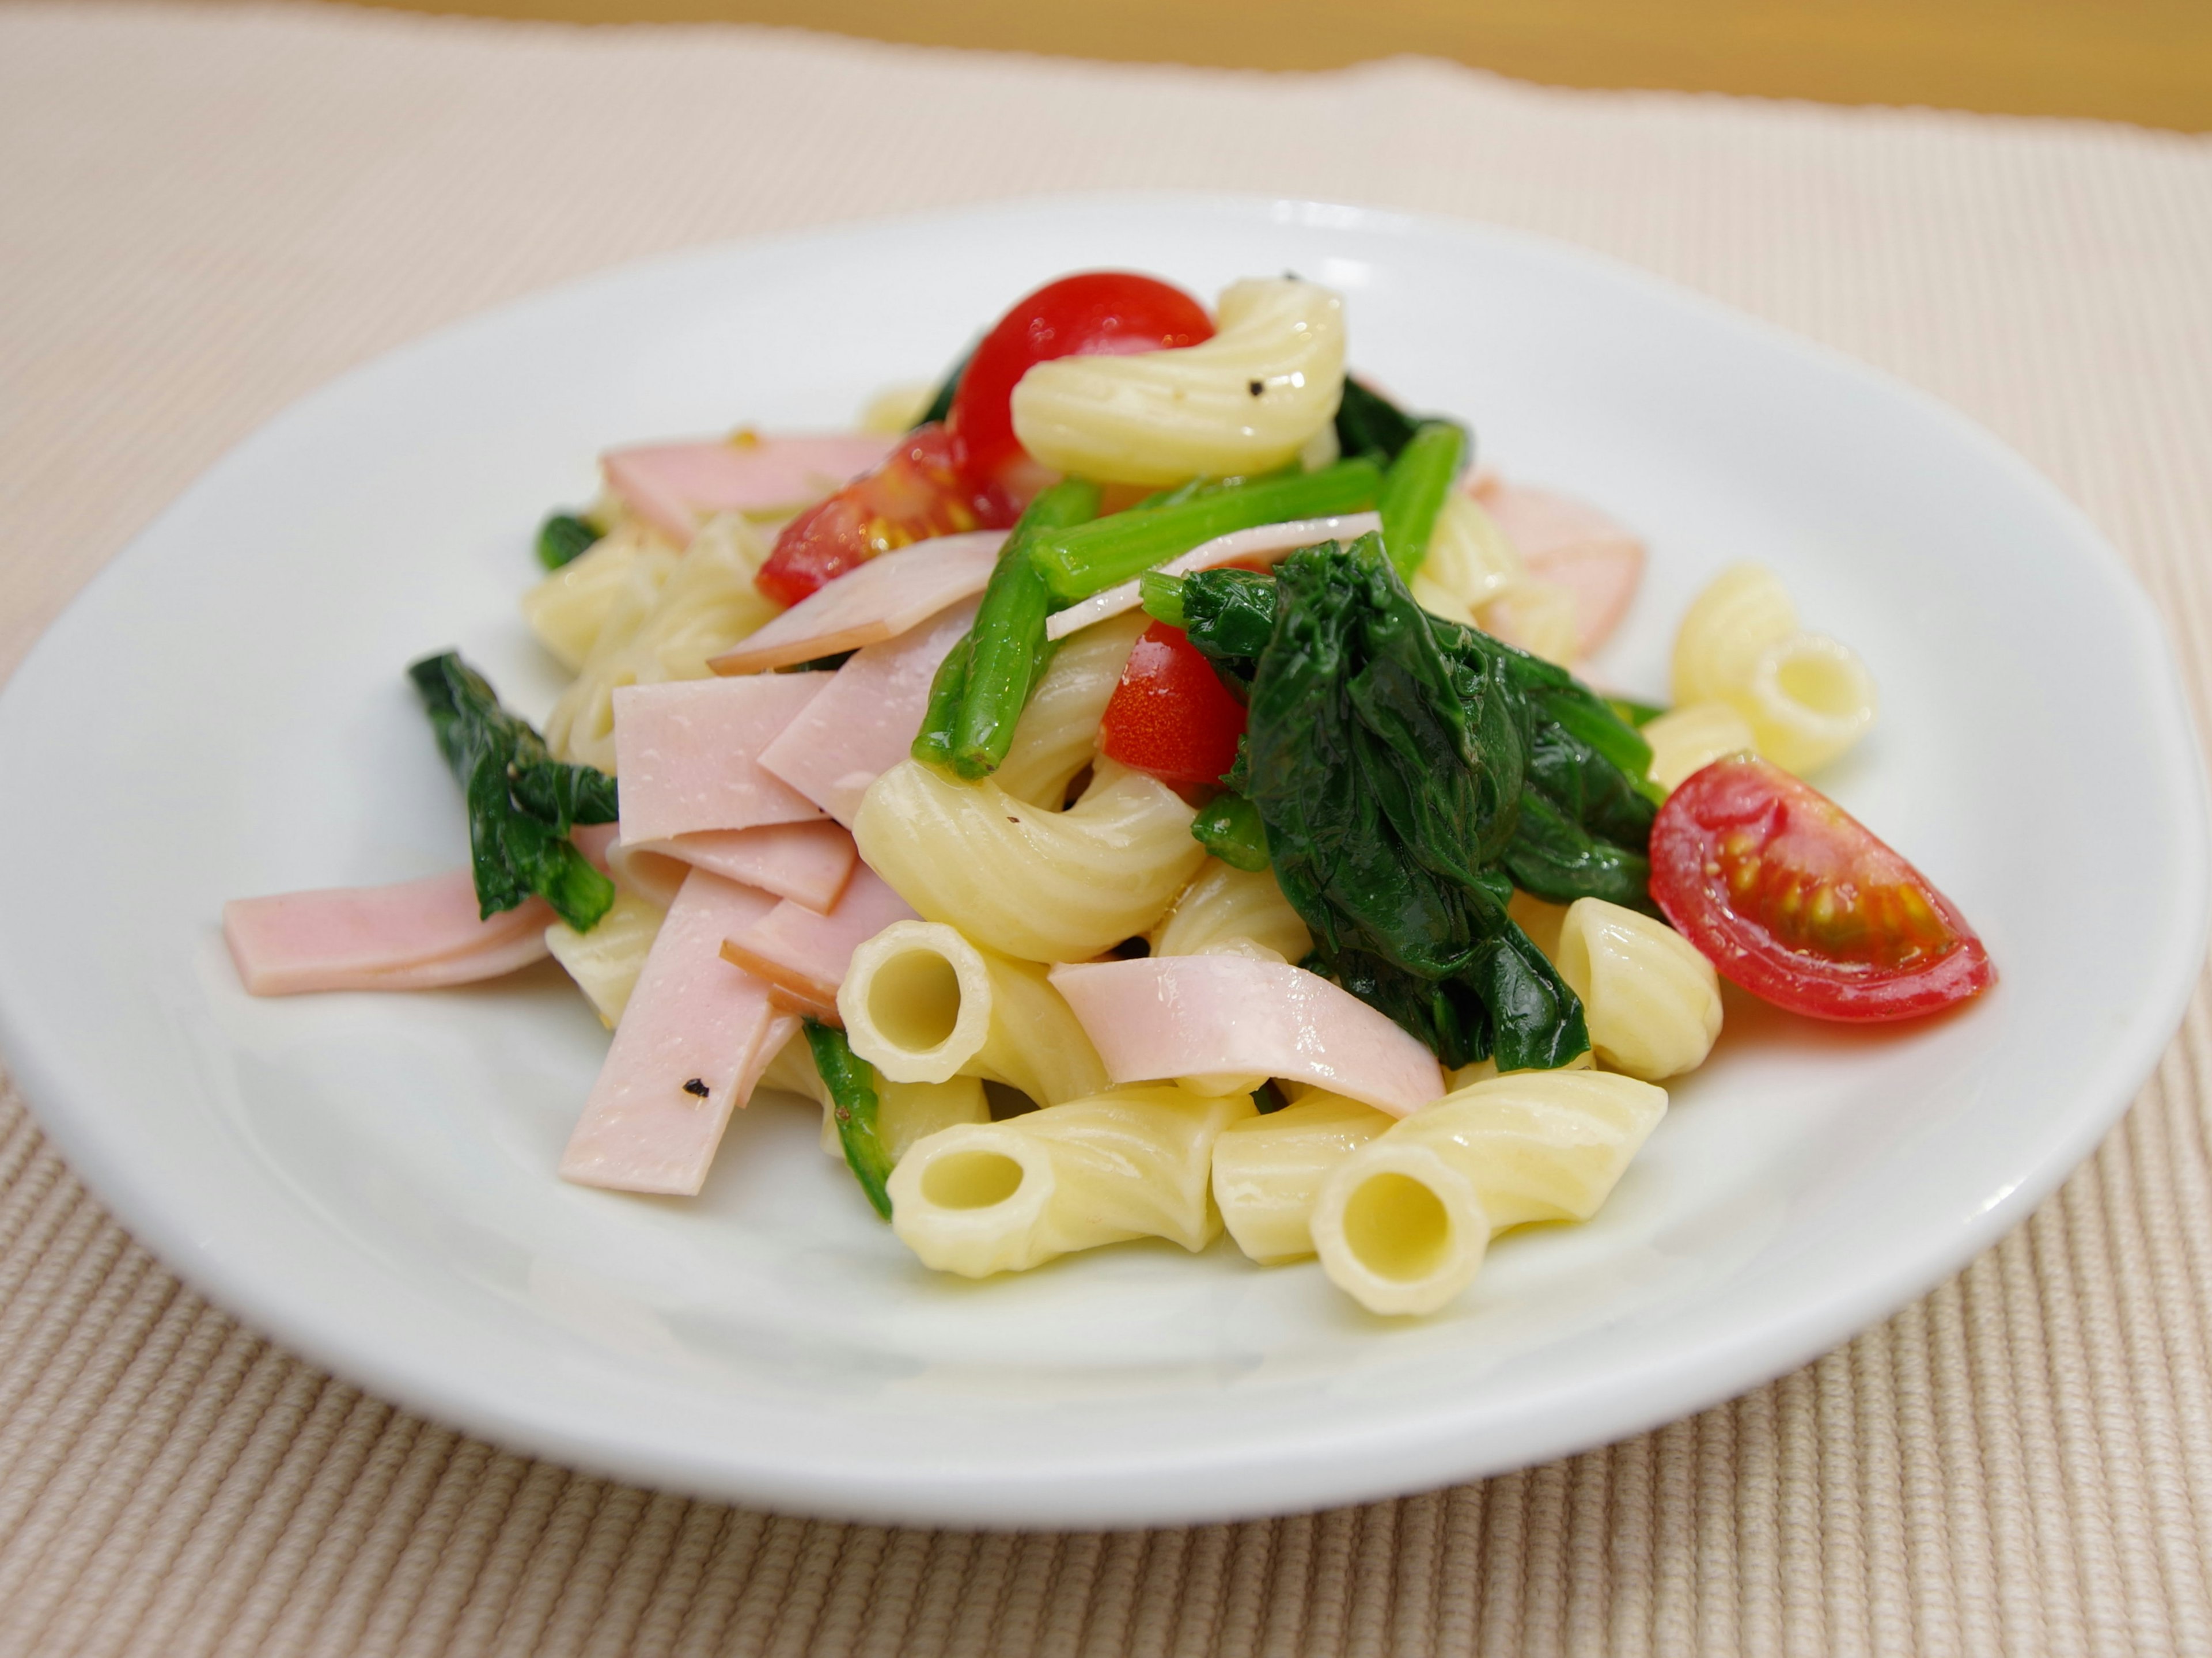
[205,214]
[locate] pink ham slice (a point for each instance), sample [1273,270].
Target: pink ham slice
[1265,545]
[864,723]
[687,1053]
[687,752]
[806,863]
[882,599]
[804,955]
[674,486]
[416,935]
[1193,1016]
[1571,545]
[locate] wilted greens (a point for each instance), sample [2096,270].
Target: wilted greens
[522,803]
[564,538]
[1411,772]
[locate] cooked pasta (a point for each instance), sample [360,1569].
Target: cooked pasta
[897,410]
[623,572]
[706,604]
[1402,1223]
[1809,699]
[1004,1196]
[1742,611]
[1469,562]
[1268,1170]
[1227,907]
[1537,615]
[604,962]
[1246,401]
[905,1112]
[923,1005]
[1046,886]
[1652,1001]
[1690,738]
[1058,734]
[1806,697]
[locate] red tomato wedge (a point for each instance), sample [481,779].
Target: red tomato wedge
[1794,899]
[1094,313]
[920,490]
[1171,717]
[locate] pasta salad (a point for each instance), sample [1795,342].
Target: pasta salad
[1138,788]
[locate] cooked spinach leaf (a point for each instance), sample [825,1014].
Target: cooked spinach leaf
[1408,773]
[522,801]
[1229,827]
[853,1107]
[1367,423]
[564,538]
[940,401]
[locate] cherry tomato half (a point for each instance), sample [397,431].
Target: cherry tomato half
[920,490]
[1094,313]
[1794,899]
[1171,717]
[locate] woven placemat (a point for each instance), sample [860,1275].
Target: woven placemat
[204,214]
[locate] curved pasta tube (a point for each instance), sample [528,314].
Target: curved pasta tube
[706,604]
[605,961]
[1809,698]
[1045,886]
[1806,697]
[1002,1197]
[1652,1000]
[1268,1170]
[1539,616]
[1690,738]
[1225,908]
[905,1112]
[568,609]
[1401,1224]
[1470,562]
[923,1005]
[1247,400]
[1058,734]
[1742,612]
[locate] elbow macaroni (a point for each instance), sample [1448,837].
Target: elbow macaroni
[1004,1196]
[705,604]
[1402,1224]
[1690,738]
[905,1112]
[1469,562]
[1229,908]
[620,574]
[605,961]
[1058,734]
[1247,400]
[1806,697]
[923,1005]
[1042,885]
[1652,1000]
[1268,1170]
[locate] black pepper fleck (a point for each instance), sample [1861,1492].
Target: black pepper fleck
[1258,386]
[697,1085]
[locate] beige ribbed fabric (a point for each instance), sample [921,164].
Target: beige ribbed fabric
[203,215]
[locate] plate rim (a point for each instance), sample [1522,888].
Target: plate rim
[1314,1473]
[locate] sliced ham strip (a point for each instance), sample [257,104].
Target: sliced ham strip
[1266,545]
[688,753]
[1571,545]
[805,955]
[806,863]
[674,486]
[686,1054]
[416,935]
[864,723]
[883,598]
[1204,1015]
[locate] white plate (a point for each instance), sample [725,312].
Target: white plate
[370,1179]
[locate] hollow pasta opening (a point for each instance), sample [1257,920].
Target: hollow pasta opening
[914,1000]
[1822,681]
[971,1180]
[1396,1228]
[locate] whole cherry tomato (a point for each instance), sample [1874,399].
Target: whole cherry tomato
[1170,716]
[971,473]
[1791,897]
[1096,314]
